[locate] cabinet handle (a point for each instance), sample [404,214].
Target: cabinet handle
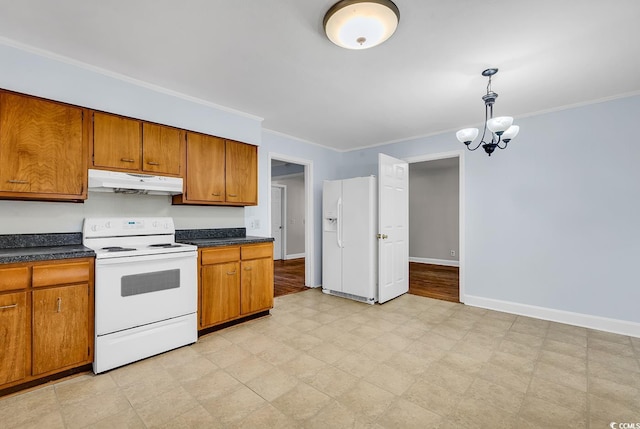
[59,309]
[127,160]
[21,182]
[247,268]
[153,163]
[6,307]
[233,195]
[230,273]
[216,194]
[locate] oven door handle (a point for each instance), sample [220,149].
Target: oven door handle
[134,259]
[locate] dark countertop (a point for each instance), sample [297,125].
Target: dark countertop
[44,253]
[225,241]
[42,247]
[46,247]
[217,237]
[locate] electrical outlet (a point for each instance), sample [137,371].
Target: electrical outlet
[256,224]
[453,253]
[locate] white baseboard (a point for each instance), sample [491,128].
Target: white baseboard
[294,256]
[435,261]
[615,326]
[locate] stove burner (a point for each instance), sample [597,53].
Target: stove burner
[165,245]
[117,249]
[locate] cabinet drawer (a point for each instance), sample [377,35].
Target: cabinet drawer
[49,275]
[14,278]
[221,255]
[255,251]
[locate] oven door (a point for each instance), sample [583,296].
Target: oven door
[138,290]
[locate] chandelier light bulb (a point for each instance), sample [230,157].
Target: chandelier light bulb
[511,132]
[361,24]
[467,135]
[500,124]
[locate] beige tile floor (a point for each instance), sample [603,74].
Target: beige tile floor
[326,362]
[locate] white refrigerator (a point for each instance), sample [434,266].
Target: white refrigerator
[349,243]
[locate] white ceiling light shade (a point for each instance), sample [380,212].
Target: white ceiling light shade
[357,24]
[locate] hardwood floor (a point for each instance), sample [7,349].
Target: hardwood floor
[288,277]
[434,281]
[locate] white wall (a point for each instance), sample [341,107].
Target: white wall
[325,164]
[295,212]
[552,221]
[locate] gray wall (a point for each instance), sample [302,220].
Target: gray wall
[552,221]
[433,210]
[295,212]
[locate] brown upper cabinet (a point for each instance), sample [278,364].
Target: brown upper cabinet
[241,173]
[219,172]
[43,147]
[126,144]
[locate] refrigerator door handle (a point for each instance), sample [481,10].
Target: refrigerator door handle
[339,221]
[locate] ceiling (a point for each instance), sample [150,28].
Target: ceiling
[271,58]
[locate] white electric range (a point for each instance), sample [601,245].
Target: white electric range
[146,289]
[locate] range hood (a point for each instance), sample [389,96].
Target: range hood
[133,183]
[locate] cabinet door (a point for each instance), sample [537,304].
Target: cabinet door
[241,173]
[257,285]
[14,337]
[205,168]
[41,146]
[117,142]
[161,149]
[60,327]
[220,299]
[14,278]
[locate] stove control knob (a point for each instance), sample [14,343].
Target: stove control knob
[94,227]
[155,224]
[107,225]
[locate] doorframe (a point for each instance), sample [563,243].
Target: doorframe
[283,216]
[309,222]
[460,154]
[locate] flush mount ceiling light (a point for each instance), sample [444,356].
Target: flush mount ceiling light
[354,24]
[501,128]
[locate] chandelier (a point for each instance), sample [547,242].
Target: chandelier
[361,24]
[501,129]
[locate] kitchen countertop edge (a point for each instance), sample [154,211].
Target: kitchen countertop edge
[35,254]
[225,241]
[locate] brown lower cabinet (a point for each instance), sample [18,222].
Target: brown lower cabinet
[46,318]
[235,281]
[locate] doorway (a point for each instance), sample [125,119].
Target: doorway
[291,201]
[278,220]
[436,211]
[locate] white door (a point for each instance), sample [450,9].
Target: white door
[276,221]
[393,227]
